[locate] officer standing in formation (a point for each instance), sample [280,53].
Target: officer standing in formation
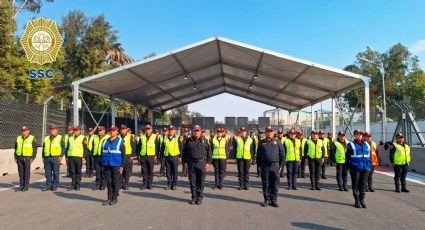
[183,140]
[220,148]
[358,159]
[25,152]
[330,140]
[400,160]
[53,151]
[70,133]
[374,160]
[130,154]
[170,151]
[301,168]
[244,148]
[292,148]
[270,156]
[338,149]
[97,159]
[314,149]
[197,154]
[113,157]
[161,159]
[93,141]
[148,151]
[282,139]
[325,142]
[77,150]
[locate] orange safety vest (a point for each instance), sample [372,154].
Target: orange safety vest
[374,158]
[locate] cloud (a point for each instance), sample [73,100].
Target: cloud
[418,47]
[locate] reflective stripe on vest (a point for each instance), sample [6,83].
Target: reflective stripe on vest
[111,155]
[127,144]
[66,139]
[219,151]
[93,144]
[292,152]
[325,145]
[24,146]
[148,146]
[315,150]
[339,152]
[76,148]
[362,155]
[171,146]
[100,145]
[243,150]
[402,154]
[53,148]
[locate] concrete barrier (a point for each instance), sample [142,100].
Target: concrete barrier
[417,163]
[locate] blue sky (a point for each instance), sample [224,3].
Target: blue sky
[328,32]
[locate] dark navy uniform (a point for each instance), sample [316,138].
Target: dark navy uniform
[270,156]
[197,153]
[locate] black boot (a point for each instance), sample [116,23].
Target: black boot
[397,188]
[108,200]
[356,202]
[312,187]
[404,189]
[317,186]
[362,203]
[274,204]
[113,201]
[193,201]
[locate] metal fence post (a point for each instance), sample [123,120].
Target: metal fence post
[45,118]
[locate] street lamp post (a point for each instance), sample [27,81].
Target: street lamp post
[380,64]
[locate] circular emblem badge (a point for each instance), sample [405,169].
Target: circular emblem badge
[41,41]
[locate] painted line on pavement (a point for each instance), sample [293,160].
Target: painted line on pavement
[412,177]
[16,186]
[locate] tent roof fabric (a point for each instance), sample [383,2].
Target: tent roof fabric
[218,65]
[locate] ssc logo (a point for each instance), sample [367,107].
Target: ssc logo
[41,41]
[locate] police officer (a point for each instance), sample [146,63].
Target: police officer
[93,141]
[325,153]
[244,149]
[301,167]
[100,177]
[70,133]
[314,149]
[53,151]
[161,159]
[77,150]
[400,160]
[25,153]
[337,150]
[183,141]
[374,160]
[261,136]
[358,159]
[329,141]
[130,154]
[113,155]
[270,156]
[282,139]
[197,154]
[292,148]
[220,148]
[170,151]
[148,149]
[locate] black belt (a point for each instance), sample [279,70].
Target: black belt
[195,160]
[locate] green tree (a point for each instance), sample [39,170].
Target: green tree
[27,5]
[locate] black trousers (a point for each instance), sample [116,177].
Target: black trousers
[172,170]
[291,173]
[301,168]
[270,179]
[323,166]
[243,171]
[163,167]
[112,176]
[196,178]
[370,177]
[127,170]
[400,174]
[219,171]
[282,169]
[68,167]
[147,164]
[358,182]
[24,168]
[51,170]
[341,175]
[89,164]
[314,166]
[100,177]
[75,164]
[184,168]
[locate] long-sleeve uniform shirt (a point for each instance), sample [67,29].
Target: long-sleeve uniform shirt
[235,145]
[332,149]
[122,150]
[34,147]
[227,147]
[179,141]
[157,145]
[196,149]
[315,142]
[86,150]
[270,151]
[62,146]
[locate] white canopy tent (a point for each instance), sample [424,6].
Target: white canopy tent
[218,65]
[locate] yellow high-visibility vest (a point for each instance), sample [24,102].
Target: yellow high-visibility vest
[148,146]
[100,145]
[24,146]
[171,146]
[127,144]
[315,150]
[339,152]
[54,147]
[402,154]
[219,151]
[76,147]
[93,143]
[243,150]
[292,152]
